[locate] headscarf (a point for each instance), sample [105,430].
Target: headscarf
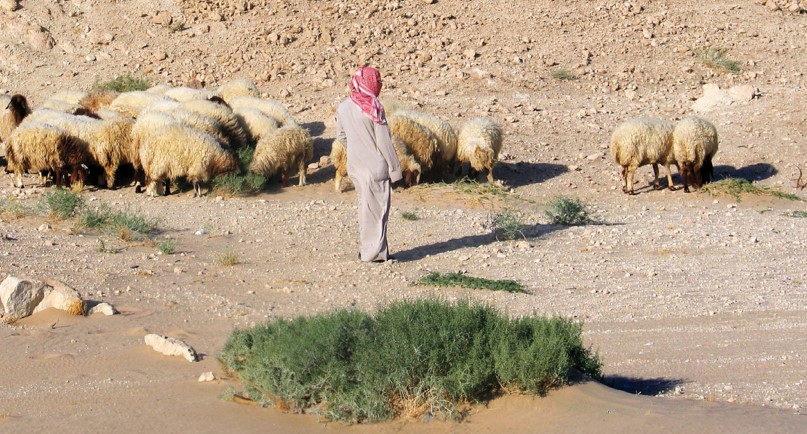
[365,86]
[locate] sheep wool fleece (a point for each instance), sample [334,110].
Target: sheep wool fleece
[371,164]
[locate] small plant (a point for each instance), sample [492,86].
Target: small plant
[246,182]
[167,246]
[63,203]
[715,58]
[177,26]
[798,214]
[102,247]
[563,74]
[229,258]
[126,224]
[507,225]
[463,281]
[122,83]
[11,208]
[568,212]
[736,187]
[408,215]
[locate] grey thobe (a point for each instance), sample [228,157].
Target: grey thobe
[371,165]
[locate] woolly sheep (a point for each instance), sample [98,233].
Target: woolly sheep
[273,109]
[445,134]
[284,150]
[15,109]
[410,168]
[642,141]
[175,151]
[146,124]
[98,99]
[478,144]
[69,96]
[134,102]
[339,159]
[184,93]
[694,146]
[392,106]
[420,140]
[40,147]
[231,126]
[159,89]
[237,88]
[202,123]
[61,106]
[256,123]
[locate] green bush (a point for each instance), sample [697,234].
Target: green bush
[12,208]
[244,183]
[122,83]
[563,74]
[736,187]
[568,212]
[715,58]
[409,215]
[461,280]
[413,357]
[167,246]
[507,225]
[129,225]
[63,203]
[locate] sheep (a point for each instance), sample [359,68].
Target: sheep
[418,138]
[445,134]
[237,88]
[184,93]
[15,109]
[273,109]
[641,141]
[61,106]
[68,96]
[392,106]
[694,146]
[231,126]
[41,147]
[175,150]
[134,102]
[146,124]
[159,89]
[203,123]
[282,151]
[98,99]
[256,123]
[478,144]
[410,168]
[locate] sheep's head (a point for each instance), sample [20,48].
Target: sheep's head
[692,175]
[482,158]
[218,100]
[19,108]
[411,177]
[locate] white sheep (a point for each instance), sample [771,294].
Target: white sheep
[256,123]
[238,87]
[273,109]
[134,102]
[216,108]
[446,138]
[61,106]
[68,95]
[281,152]
[203,123]
[695,144]
[175,151]
[338,158]
[420,140]
[410,168]
[40,147]
[642,141]
[478,144]
[99,99]
[160,89]
[184,93]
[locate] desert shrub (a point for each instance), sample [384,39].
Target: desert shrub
[127,224]
[715,58]
[507,225]
[122,83]
[12,208]
[798,214]
[562,74]
[244,183]
[411,358]
[461,280]
[568,212]
[63,203]
[167,246]
[736,187]
[409,215]
[229,258]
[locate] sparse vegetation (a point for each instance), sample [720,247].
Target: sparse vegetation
[229,259]
[463,281]
[122,83]
[736,187]
[798,214]
[411,358]
[167,246]
[409,215]
[127,224]
[11,208]
[568,212]
[563,74]
[246,182]
[177,26]
[716,59]
[63,203]
[507,225]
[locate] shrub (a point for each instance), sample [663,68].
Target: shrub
[228,259]
[507,225]
[408,215]
[122,83]
[244,183]
[11,208]
[63,203]
[736,187]
[411,358]
[128,225]
[568,212]
[715,58]
[461,280]
[167,246]
[563,74]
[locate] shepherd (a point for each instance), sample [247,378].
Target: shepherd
[372,163]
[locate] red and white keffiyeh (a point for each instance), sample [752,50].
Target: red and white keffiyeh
[365,86]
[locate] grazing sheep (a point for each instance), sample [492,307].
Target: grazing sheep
[273,109]
[159,89]
[61,106]
[256,123]
[68,96]
[410,168]
[478,144]
[184,93]
[202,123]
[446,138]
[98,99]
[231,126]
[146,124]
[420,140]
[237,88]
[694,146]
[40,147]
[392,106]
[132,103]
[641,141]
[284,150]
[339,160]
[175,151]
[15,109]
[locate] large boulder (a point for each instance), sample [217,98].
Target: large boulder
[19,297]
[60,296]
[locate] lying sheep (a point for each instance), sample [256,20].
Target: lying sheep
[478,144]
[237,88]
[281,152]
[694,147]
[40,147]
[418,138]
[642,141]
[446,158]
[175,151]
[273,109]
[256,123]
[410,168]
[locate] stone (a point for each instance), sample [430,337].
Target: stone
[20,297]
[743,92]
[713,97]
[44,227]
[62,297]
[206,376]
[104,308]
[162,19]
[170,346]
[771,5]
[8,5]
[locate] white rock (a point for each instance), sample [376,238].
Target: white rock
[44,227]
[170,346]
[206,376]
[62,297]
[104,308]
[20,297]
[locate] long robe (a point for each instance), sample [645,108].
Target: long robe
[372,165]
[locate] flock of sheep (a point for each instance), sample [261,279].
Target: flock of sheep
[169,132]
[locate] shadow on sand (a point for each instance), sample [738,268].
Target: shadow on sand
[753,172]
[521,173]
[642,386]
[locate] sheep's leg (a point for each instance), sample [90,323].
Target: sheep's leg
[18,178]
[337,182]
[670,184]
[624,179]
[684,174]
[140,180]
[167,187]
[57,178]
[490,175]
[283,179]
[302,174]
[629,179]
[197,189]
[656,185]
[110,177]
